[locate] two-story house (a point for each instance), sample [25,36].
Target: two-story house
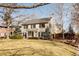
[35,28]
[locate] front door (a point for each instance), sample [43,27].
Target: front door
[31,34]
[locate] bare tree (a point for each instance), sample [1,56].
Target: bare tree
[9,9]
[35,5]
[7,12]
[61,8]
[75,14]
[58,13]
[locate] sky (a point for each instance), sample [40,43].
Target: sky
[45,11]
[42,11]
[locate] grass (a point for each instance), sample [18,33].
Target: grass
[35,48]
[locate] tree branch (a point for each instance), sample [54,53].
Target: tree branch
[24,7]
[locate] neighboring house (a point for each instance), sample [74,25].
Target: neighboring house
[4,31]
[35,28]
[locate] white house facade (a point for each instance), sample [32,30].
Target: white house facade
[35,28]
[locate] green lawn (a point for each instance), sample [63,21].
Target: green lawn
[35,48]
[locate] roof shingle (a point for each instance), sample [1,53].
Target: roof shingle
[37,21]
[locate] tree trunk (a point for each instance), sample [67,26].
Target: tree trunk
[54,35]
[8,33]
[63,34]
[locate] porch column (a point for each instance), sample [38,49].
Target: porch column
[27,34]
[39,34]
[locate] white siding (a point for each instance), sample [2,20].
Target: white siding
[35,30]
[22,29]
[37,26]
[29,26]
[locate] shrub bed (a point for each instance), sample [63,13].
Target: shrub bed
[18,36]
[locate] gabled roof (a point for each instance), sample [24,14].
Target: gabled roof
[37,21]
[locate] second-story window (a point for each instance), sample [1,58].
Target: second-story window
[33,26]
[26,27]
[42,25]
